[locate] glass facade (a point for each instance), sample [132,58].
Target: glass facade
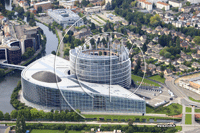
[51,97]
[101,69]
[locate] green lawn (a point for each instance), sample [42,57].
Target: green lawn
[188,118]
[52,131]
[197,110]
[188,109]
[125,117]
[146,82]
[192,99]
[173,109]
[158,78]
[46,131]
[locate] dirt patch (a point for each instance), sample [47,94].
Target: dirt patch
[197,116]
[177,116]
[188,77]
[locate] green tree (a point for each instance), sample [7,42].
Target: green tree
[1,115]
[188,3]
[39,9]
[2,73]
[7,116]
[197,40]
[53,52]
[20,124]
[161,75]
[18,127]
[66,131]
[34,113]
[14,114]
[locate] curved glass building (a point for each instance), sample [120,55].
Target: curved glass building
[103,66]
[44,88]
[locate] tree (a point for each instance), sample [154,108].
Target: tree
[93,26]
[155,20]
[7,116]
[2,73]
[130,123]
[66,131]
[1,115]
[92,41]
[144,47]
[53,52]
[197,40]
[14,114]
[188,3]
[39,9]
[20,124]
[34,113]
[161,75]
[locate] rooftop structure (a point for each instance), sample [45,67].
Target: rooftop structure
[65,17]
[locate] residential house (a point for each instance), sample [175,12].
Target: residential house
[162,5]
[145,5]
[175,63]
[151,44]
[188,58]
[183,68]
[161,59]
[144,28]
[184,44]
[168,72]
[149,30]
[180,60]
[167,61]
[195,56]
[155,39]
[175,3]
[182,36]
[155,56]
[154,32]
[188,38]
[158,28]
[117,36]
[158,70]
[143,37]
[161,33]
[195,65]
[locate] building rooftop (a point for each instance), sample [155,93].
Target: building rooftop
[69,82]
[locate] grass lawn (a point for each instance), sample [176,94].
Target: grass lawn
[192,99]
[188,118]
[179,128]
[146,82]
[173,109]
[158,78]
[46,131]
[188,109]
[197,110]
[52,131]
[125,117]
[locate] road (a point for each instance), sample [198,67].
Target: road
[61,44]
[194,127]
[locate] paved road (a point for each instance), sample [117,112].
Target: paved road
[61,45]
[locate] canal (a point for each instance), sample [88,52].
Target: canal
[10,82]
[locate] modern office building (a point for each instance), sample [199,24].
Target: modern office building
[10,50]
[52,85]
[102,66]
[65,17]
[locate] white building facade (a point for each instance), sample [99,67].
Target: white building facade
[194,1]
[145,5]
[65,17]
[162,5]
[175,3]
